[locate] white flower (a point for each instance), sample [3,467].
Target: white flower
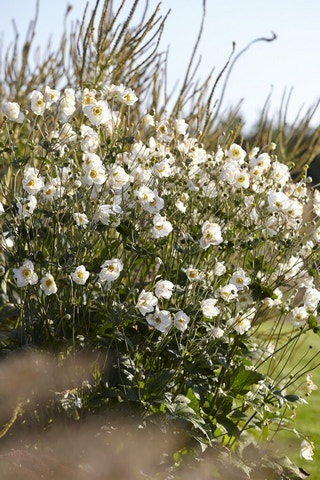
[110,270]
[25,275]
[89,139]
[310,385]
[51,96]
[32,182]
[98,112]
[209,310]
[240,279]
[299,316]
[161,226]
[164,289]
[118,178]
[128,97]
[211,235]
[160,320]
[180,126]
[280,173]
[48,285]
[241,179]
[38,105]
[67,104]
[193,274]
[1,208]
[311,298]
[242,322]
[107,214]
[228,292]
[12,111]
[80,275]
[181,320]
[217,332]
[96,175]
[237,153]
[146,303]
[81,219]
[149,199]
[219,269]
[306,450]
[278,201]
[26,208]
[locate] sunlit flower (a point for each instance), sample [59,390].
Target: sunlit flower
[67,104]
[193,274]
[128,97]
[89,139]
[48,285]
[219,269]
[32,182]
[237,153]
[80,275]
[12,111]
[208,308]
[98,112]
[240,279]
[81,219]
[118,178]
[108,214]
[25,275]
[228,292]
[149,199]
[242,322]
[164,131]
[27,206]
[310,386]
[51,96]
[164,289]
[306,450]
[38,105]
[180,126]
[181,321]
[299,316]
[161,226]
[110,270]
[96,175]
[161,320]
[311,298]
[211,235]
[147,302]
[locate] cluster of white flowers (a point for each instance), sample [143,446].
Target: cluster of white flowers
[177,194]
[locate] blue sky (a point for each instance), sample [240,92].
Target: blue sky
[291,61]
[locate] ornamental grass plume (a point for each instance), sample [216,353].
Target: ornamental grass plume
[182,264]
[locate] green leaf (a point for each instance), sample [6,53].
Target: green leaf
[241,380]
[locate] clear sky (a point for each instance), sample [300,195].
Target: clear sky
[291,61]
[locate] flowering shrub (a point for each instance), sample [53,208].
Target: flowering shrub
[190,270]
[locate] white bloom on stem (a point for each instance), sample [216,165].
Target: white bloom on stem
[110,270]
[280,173]
[240,279]
[242,179]
[161,226]
[51,96]
[211,235]
[208,308]
[299,316]
[164,289]
[306,450]
[81,219]
[149,199]
[311,298]
[219,269]
[242,322]
[147,302]
[89,139]
[98,112]
[48,285]
[118,178]
[80,275]
[38,105]
[32,182]
[193,274]
[12,111]
[278,202]
[180,126]
[237,153]
[107,214]
[25,275]
[160,319]
[27,206]
[228,292]
[181,321]
[128,97]
[310,386]
[67,104]
[96,175]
